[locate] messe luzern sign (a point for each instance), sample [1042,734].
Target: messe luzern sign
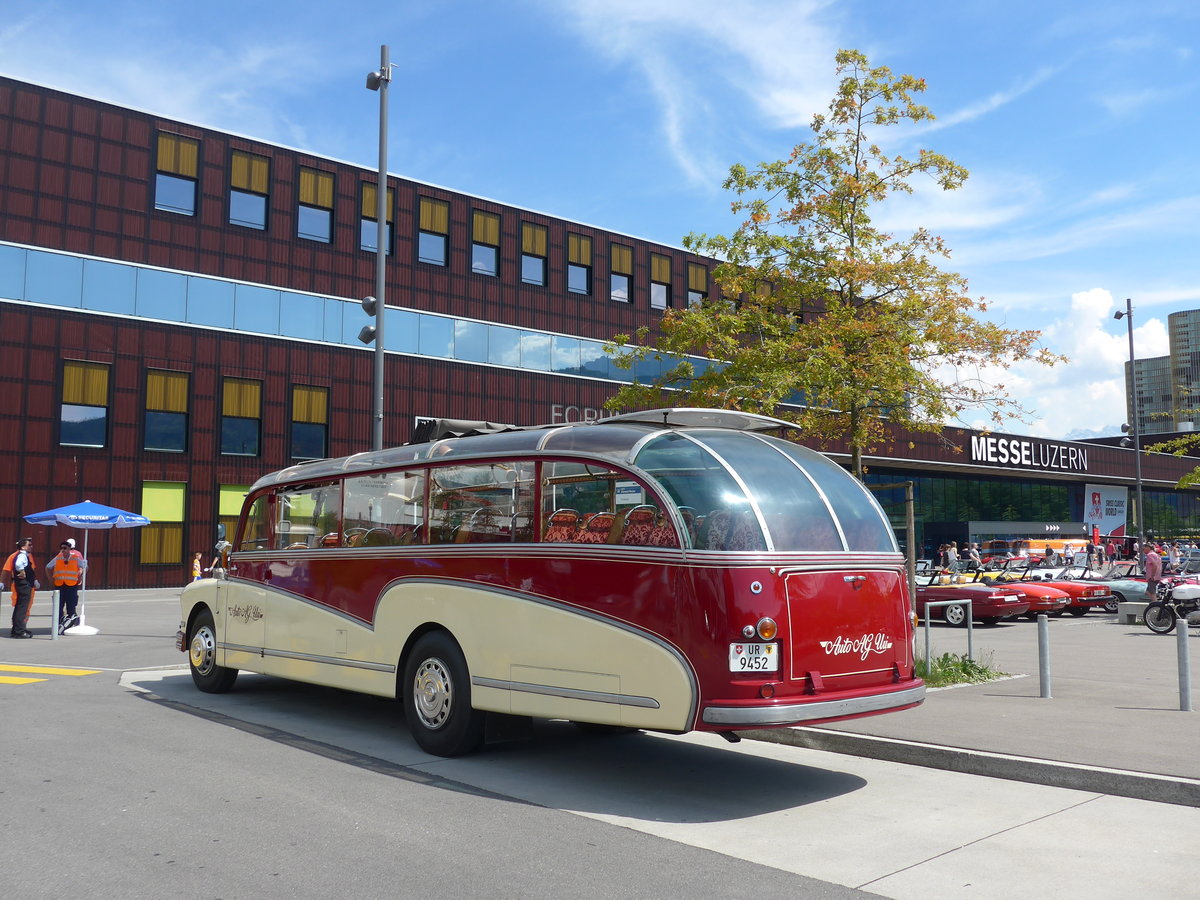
[1027,453]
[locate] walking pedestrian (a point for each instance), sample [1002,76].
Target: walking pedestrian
[20,573]
[1153,572]
[66,573]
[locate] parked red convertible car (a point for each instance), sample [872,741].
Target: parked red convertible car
[989,603]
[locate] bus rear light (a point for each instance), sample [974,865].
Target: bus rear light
[767,691]
[767,629]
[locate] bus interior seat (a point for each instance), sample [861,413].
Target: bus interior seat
[562,525]
[639,526]
[596,528]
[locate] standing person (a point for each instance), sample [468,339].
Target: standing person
[66,573]
[196,567]
[952,554]
[973,555]
[20,572]
[1173,558]
[1153,572]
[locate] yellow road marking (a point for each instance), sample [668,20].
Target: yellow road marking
[47,670]
[8,679]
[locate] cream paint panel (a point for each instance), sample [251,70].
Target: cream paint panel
[505,637]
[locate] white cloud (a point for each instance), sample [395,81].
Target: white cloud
[989,104]
[777,55]
[1087,393]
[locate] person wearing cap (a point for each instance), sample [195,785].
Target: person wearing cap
[20,573]
[66,573]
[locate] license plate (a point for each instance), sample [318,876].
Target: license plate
[753,657]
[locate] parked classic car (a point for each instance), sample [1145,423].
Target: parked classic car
[989,603]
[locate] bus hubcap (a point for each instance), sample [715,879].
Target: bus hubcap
[433,692]
[203,650]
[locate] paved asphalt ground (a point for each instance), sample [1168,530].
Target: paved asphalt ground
[1112,731]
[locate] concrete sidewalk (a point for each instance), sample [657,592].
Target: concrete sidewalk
[1113,726]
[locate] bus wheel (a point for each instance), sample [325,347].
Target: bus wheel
[202,657]
[437,698]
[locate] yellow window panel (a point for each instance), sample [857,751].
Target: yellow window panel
[85,384]
[310,405]
[660,268]
[162,501]
[485,228]
[178,155]
[697,278]
[370,199]
[166,391]
[622,259]
[249,172]
[579,249]
[435,216]
[242,398]
[533,239]
[229,501]
[316,188]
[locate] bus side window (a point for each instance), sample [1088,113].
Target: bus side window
[308,517]
[256,529]
[384,509]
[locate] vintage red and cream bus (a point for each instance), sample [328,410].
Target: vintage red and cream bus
[670,570]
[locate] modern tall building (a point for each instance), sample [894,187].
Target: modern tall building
[179,312]
[1168,387]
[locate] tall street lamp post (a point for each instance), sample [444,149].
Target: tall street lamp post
[1140,511]
[378,81]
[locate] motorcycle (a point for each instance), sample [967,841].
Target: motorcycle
[1179,601]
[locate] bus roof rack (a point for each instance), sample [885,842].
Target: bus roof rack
[693,417]
[429,430]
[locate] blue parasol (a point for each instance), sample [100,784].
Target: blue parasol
[86,515]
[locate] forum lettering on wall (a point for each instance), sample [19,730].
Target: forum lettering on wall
[1027,453]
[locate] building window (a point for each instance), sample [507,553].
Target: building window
[83,419]
[249,178]
[310,422]
[162,539]
[579,264]
[433,236]
[229,506]
[369,220]
[485,243]
[314,215]
[621,267]
[697,284]
[241,415]
[166,411]
[660,281]
[175,181]
[533,253]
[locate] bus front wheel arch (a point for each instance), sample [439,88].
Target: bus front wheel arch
[436,693]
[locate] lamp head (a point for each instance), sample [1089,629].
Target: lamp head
[1119,314]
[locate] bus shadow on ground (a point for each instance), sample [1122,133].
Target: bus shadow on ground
[645,776]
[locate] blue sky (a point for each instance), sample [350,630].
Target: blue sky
[1077,121]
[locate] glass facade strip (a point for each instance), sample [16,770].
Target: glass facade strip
[109,287]
[60,279]
[256,309]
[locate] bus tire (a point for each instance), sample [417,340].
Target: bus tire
[202,657]
[437,697]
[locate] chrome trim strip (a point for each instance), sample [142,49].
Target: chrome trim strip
[311,657]
[569,693]
[748,717]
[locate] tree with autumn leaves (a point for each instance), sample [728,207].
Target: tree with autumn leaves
[817,303]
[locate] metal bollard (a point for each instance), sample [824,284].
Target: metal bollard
[1044,655]
[1185,664]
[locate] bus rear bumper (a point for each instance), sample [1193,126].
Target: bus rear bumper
[796,713]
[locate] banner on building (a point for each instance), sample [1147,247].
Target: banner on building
[1106,508]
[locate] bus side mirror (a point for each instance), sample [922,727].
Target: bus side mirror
[220,531]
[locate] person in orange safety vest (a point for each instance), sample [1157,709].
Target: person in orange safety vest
[66,573]
[20,573]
